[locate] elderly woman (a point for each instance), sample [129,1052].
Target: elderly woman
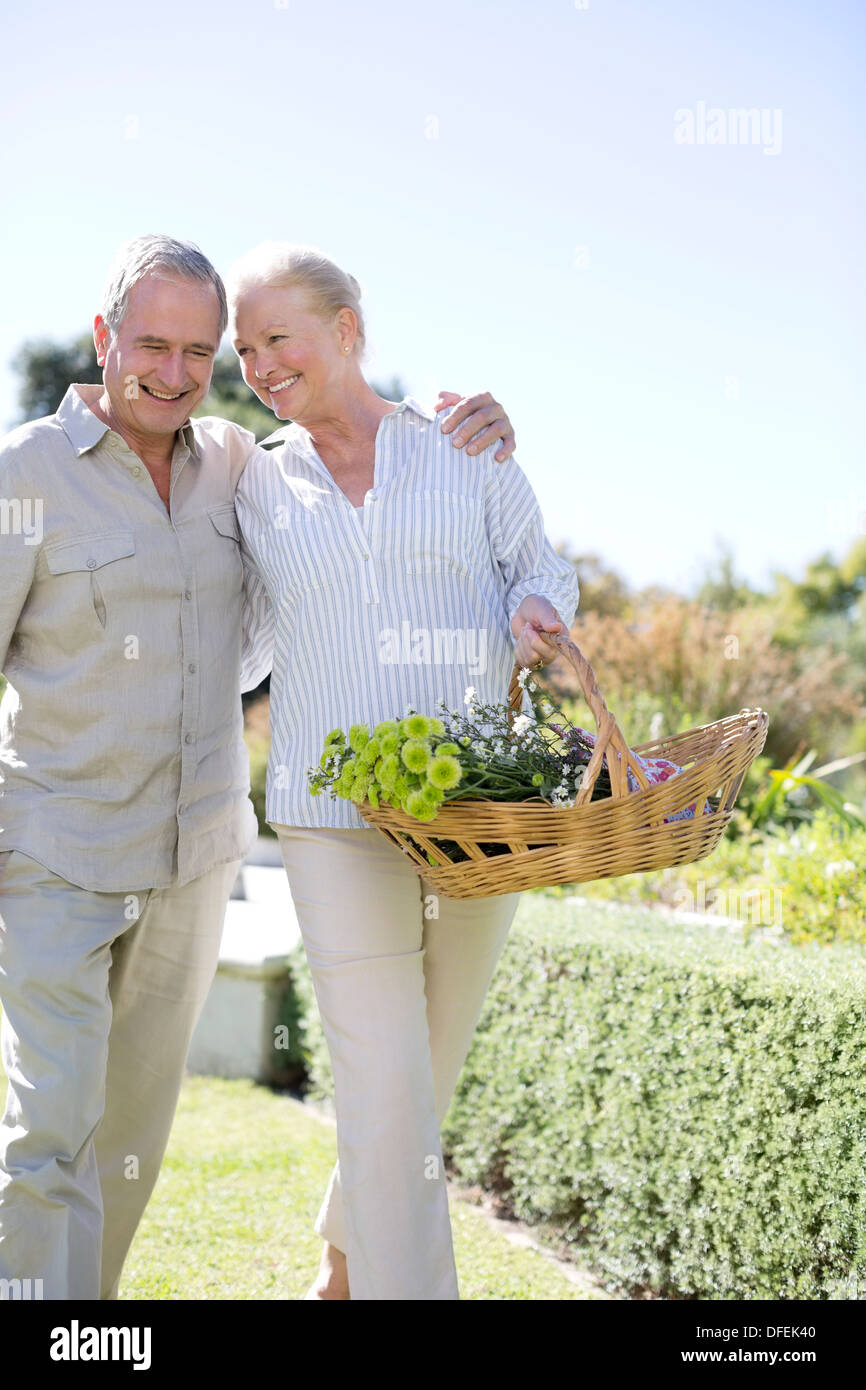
[361,524]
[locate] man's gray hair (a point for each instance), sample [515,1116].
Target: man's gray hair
[143,254]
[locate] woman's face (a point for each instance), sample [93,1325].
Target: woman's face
[291,357]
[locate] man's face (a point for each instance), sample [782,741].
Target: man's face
[157,366]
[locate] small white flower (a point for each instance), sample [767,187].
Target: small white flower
[470,696]
[561,798]
[521,677]
[521,725]
[841,866]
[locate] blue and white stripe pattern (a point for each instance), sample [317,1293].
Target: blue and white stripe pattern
[406,601]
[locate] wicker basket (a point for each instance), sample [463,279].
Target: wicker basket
[511,846]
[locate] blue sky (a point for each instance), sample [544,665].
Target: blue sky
[676,328]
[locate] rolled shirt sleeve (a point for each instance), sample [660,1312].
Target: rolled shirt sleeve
[528,561]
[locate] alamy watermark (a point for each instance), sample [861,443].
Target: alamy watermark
[739,125]
[758,907]
[22,1289]
[22,516]
[77,1343]
[436,646]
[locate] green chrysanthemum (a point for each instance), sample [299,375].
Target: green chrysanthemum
[418,806]
[373,795]
[359,736]
[386,726]
[452,748]
[432,795]
[416,754]
[444,772]
[360,787]
[537,779]
[390,741]
[401,788]
[416,726]
[369,753]
[335,736]
[388,772]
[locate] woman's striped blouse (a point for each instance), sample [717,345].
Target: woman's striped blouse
[408,601]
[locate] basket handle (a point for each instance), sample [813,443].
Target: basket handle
[609,740]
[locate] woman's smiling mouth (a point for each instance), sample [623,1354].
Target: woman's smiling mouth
[284,385]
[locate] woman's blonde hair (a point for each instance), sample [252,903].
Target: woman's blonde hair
[281,265]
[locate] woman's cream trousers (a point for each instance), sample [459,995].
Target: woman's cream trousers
[400,977]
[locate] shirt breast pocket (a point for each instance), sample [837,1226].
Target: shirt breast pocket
[225,521]
[443,531]
[85,565]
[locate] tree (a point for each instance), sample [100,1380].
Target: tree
[46,370]
[602,590]
[721,588]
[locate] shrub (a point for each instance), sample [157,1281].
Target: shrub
[690,666]
[814,878]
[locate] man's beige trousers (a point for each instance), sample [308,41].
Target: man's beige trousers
[400,978]
[100,995]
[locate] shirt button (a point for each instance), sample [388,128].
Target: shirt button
[366,557]
[136,471]
[187,738]
[91,564]
[192,668]
[181,810]
[187,593]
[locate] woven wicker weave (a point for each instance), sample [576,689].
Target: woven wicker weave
[534,844]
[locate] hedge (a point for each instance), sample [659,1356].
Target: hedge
[684,1106]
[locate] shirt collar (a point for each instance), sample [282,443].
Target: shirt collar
[295,435]
[84,430]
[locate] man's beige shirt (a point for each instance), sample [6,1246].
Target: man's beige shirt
[121,752]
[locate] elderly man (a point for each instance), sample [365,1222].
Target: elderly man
[124,808]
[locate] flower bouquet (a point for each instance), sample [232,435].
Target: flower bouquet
[420,762]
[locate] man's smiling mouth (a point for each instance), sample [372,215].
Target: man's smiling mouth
[161,395]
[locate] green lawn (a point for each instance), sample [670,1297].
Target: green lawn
[232,1214]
